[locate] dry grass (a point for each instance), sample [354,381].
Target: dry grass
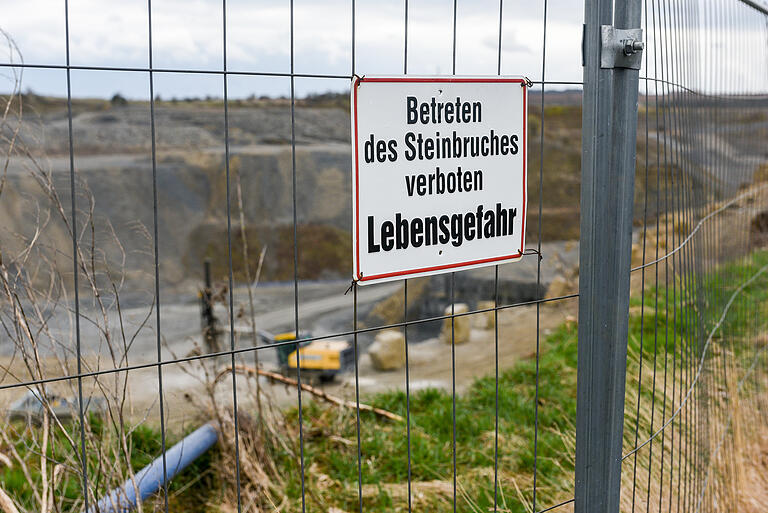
[714,454]
[752,492]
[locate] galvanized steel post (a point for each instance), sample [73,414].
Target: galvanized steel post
[612,48]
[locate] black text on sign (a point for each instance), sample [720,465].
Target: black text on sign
[439,174]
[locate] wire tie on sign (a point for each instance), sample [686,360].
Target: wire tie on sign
[351,286]
[532,251]
[526,82]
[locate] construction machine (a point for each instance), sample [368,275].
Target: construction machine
[321,360]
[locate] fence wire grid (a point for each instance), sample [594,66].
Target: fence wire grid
[696,375]
[102,261]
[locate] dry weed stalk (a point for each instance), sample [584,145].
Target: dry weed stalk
[316,392]
[259,439]
[36,294]
[251,282]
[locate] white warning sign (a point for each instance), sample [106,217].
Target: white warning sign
[439,174]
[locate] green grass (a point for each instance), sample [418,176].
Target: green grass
[384,444]
[330,434]
[145,446]
[670,322]
[670,332]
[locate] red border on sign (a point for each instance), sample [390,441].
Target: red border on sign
[355,85]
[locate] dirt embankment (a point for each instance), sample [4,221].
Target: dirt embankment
[113,161]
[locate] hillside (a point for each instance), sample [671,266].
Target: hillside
[112,146]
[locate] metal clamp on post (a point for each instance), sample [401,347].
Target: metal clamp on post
[621,48]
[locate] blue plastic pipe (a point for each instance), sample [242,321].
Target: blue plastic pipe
[150,478]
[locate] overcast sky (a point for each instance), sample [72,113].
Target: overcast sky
[188,34]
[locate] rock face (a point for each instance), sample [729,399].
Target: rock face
[462,326]
[561,286]
[388,350]
[113,154]
[485,320]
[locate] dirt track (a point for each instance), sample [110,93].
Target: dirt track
[430,366]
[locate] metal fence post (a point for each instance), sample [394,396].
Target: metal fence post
[609,131]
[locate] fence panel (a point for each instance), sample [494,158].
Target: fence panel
[694,389]
[227,156]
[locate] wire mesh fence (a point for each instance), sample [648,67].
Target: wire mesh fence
[113,206]
[693,377]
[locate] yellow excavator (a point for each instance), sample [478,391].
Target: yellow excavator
[321,360]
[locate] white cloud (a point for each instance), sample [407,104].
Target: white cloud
[189,34]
